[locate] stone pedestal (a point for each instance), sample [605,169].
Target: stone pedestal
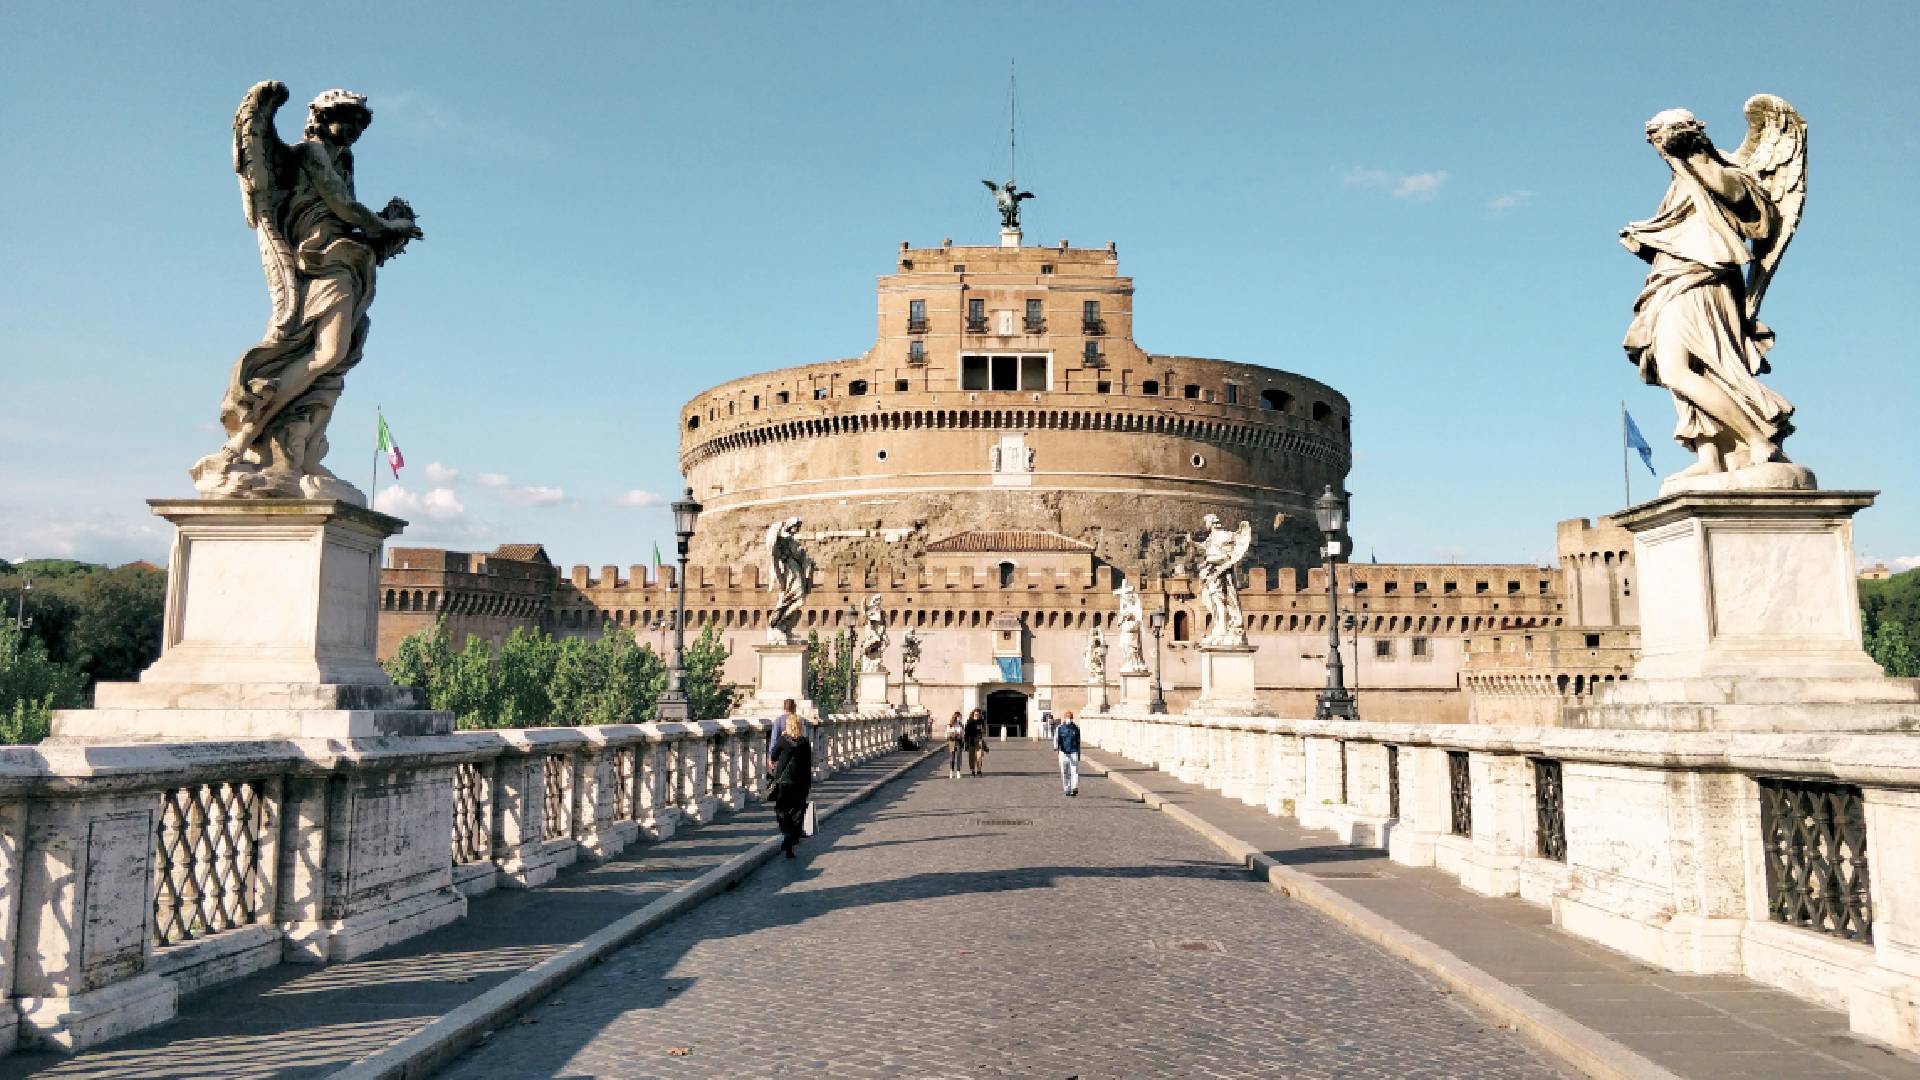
[1097,699]
[1136,692]
[781,674]
[270,630]
[910,694]
[1226,681]
[1009,238]
[871,689]
[1750,620]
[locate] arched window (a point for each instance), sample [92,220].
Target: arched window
[1006,575]
[693,422]
[1322,410]
[1275,400]
[1182,630]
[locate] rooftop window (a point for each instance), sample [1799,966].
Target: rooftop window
[1276,400]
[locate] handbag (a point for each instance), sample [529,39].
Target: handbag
[806,823]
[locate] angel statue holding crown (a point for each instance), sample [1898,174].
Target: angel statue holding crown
[319,247]
[1221,552]
[1714,245]
[873,636]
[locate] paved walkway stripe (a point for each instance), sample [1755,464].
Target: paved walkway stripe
[1573,1042]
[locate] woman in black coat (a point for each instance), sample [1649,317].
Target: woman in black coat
[791,767]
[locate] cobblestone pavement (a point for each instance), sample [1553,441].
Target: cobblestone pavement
[992,927]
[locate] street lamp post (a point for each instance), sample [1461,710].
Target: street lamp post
[1335,703]
[1157,620]
[20,620]
[674,704]
[853,639]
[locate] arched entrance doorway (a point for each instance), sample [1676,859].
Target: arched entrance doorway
[1007,713]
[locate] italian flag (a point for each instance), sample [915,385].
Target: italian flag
[658,562]
[390,448]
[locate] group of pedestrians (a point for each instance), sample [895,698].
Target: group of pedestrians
[970,738]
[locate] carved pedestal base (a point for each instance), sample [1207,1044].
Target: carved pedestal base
[1136,692]
[781,674]
[910,694]
[1226,681]
[1097,700]
[871,689]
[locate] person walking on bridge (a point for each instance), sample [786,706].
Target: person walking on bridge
[956,742]
[791,768]
[976,743]
[1066,739]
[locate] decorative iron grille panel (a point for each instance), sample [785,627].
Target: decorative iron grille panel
[1550,809]
[470,806]
[1815,840]
[1460,782]
[206,857]
[555,804]
[1393,782]
[624,767]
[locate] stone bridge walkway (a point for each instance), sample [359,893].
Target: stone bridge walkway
[992,927]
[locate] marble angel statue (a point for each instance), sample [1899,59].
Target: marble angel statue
[1096,656]
[909,654]
[1128,623]
[789,576]
[873,636]
[1714,245]
[319,247]
[1221,553]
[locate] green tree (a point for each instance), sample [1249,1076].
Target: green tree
[117,620]
[525,667]
[468,686]
[1893,647]
[32,685]
[829,673]
[1890,619]
[709,695]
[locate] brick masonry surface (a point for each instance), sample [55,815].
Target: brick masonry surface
[992,927]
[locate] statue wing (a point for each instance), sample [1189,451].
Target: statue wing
[1242,541]
[773,556]
[263,162]
[1023,195]
[991,186]
[1774,154]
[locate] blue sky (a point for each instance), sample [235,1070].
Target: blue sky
[627,203]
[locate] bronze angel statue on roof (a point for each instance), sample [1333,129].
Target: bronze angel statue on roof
[1714,245]
[1007,200]
[319,247]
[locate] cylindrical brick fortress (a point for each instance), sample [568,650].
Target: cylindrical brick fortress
[1004,392]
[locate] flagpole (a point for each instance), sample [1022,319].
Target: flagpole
[374,488]
[1626,477]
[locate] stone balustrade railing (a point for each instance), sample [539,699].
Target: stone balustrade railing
[1790,858]
[133,873]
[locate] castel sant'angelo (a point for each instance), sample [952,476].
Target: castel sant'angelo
[998,461]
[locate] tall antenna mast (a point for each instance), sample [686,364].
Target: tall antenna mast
[1012,97]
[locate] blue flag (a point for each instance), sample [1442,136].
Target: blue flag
[1639,441]
[1009,669]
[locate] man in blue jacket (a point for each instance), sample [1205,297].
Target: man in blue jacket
[1066,739]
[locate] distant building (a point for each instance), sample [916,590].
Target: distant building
[1876,572]
[1000,459]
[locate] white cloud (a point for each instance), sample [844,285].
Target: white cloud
[493,480]
[1419,186]
[440,475]
[639,498]
[103,538]
[1509,200]
[438,504]
[534,495]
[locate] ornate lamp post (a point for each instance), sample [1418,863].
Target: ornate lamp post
[674,704]
[1157,620]
[853,642]
[20,621]
[1335,703]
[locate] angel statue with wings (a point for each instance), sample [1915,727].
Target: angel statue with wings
[319,247]
[1127,623]
[1221,552]
[1096,656]
[1007,199]
[1696,326]
[909,654]
[789,576]
[873,636]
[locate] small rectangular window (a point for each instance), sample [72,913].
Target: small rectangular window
[976,314]
[1090,310]
[1103,387]
[916,315]
[1419,587]
[1419,647]
[756,401]
[1383,648]
[1046,268]
[1543,586]
[1233,394]
[782,398]
[1479,588]
[973,373]
[1036,316]
[1006,373]
[819,393]
[1512,587]
[1091,352]
[1450,588]
[900,386]
[916,350]
[1593,641]
[1391,588]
